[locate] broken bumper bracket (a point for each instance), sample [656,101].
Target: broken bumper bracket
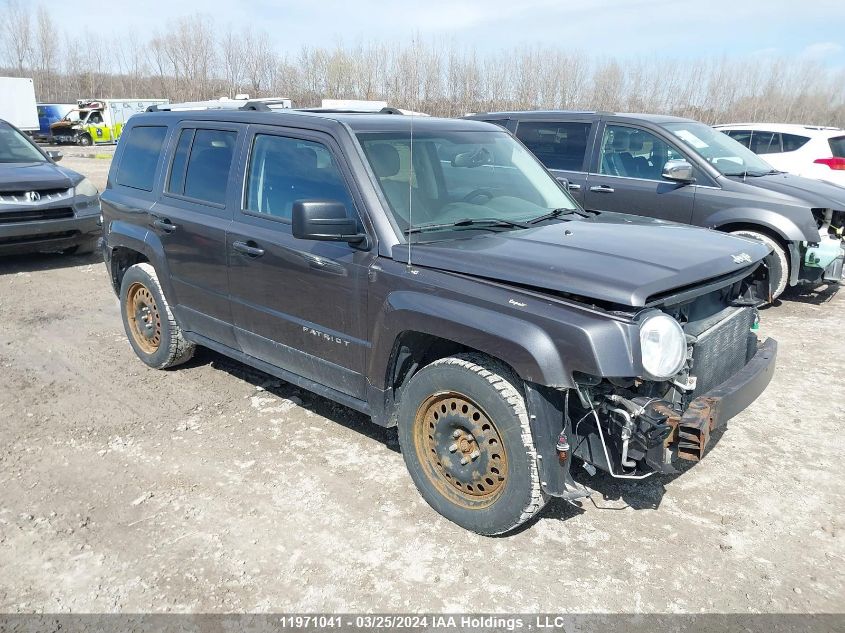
[714,408]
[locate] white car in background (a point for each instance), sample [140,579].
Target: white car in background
[805,150]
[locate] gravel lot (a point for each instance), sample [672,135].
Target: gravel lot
[217,488]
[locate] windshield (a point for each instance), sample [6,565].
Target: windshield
[461,177]
[15,148]
[720,150]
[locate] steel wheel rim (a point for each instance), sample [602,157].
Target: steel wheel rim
[461,449]
[144,317]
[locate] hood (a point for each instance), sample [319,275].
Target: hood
[815,193]
[36,176]
[610,258]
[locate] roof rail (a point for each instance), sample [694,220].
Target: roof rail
[265,104]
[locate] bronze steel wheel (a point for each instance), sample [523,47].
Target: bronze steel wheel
[466,440]
[461,448]
[150,326]
[144,317]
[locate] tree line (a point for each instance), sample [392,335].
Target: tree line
[193,58]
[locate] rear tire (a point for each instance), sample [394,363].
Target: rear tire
[778,261]
[465,438]
[148,320]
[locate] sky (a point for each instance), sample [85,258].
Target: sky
[812,29]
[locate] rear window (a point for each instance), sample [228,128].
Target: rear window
[141,149]
[792,142]
[557,145]
[837,146]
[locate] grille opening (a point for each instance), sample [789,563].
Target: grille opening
[35,215]
[43,237]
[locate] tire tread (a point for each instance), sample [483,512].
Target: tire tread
[503,380]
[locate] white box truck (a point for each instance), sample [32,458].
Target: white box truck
[99,120]
[17,103]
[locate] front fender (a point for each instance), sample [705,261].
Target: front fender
[788,228]
[524,346]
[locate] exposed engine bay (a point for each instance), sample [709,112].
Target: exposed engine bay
[633,427]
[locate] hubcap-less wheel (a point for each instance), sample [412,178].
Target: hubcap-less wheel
[461,448]
[144,318]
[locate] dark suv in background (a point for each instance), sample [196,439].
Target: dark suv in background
[433,275]
[43,207]
[685,171]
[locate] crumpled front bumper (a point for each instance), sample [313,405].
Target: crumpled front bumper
[709,411]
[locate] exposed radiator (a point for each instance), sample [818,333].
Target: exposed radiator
[721,351]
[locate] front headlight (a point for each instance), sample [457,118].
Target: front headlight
[663,346]
[85,188]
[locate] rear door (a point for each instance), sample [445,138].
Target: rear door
[626,175]
[562,146]
[191,218]
[298,304]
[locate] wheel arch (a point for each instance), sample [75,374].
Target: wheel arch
[789,246]
[128,244]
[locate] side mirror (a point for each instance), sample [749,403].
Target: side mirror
[324,220]
[563,181]
[678,170]
[54,155]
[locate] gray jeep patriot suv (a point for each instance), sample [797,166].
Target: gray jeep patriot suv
[432,274]
[685,171]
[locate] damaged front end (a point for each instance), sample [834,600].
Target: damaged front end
[634,427]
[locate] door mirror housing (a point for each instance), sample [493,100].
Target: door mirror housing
[54,155]
[563,181]
[678,170]
[326,221]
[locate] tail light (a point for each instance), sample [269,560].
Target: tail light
[834,163]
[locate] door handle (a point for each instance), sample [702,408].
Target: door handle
[602,189]
[250,248]
[574,187]
[164,224]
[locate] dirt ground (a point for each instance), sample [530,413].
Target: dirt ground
[215,487]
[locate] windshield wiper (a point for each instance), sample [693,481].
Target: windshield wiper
[556,213]
[470,222]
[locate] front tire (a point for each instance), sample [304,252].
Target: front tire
[465,438]
[778,261]
[85,140]
[148,320]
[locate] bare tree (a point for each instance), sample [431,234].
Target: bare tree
[193,59]
[17,35]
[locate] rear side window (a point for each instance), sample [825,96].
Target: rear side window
[283,170]
[557,145]
[176,182]
[765,142]
[740,136]
[837,146]
[141,149]
[792,142]
[200,168]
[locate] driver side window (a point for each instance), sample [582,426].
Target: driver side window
[630,152]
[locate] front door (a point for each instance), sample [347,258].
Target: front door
[626,176]
[298,304]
